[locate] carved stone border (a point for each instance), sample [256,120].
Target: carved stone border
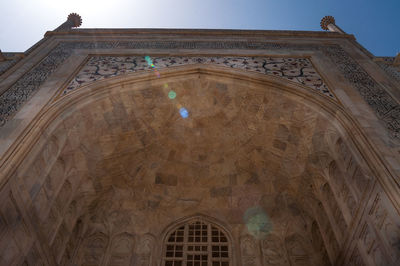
[386,108]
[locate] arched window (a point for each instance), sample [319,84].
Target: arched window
[196,243]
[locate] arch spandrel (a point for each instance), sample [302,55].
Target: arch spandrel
[248,138]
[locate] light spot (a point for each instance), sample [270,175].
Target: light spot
[171,94]
[257,222]
[148,60]
[184,113]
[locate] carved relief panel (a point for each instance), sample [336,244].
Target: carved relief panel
[297,250]
[73,244]
[318,244]
[327,233]
[249,251]
[379,233]
[386,222]
[15,238]
[94,248]
[351,171]
[274,251]
[343,193]
[334,209]
[145,250]
[97,249]
[121,251]
[356,258]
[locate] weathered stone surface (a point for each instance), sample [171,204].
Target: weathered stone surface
[169,180]
[221,192]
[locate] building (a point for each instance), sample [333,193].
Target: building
[199,147]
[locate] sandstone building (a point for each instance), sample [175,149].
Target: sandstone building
[199,147]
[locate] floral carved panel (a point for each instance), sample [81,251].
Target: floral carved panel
[299,70]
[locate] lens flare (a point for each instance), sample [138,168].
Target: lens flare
[257,222]
[184,113]
[148,60]
[171,95]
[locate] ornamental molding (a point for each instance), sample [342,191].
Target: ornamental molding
[386,108]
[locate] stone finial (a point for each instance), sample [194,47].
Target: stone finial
[325,21]
[328,23]
[73,21]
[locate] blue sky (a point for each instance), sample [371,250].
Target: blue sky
[375,23]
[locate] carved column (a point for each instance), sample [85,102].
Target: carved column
[328,23]
[73,21]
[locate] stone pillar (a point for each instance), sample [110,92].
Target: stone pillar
[328,23]
[73,21]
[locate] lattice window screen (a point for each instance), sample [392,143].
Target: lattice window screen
[197,243]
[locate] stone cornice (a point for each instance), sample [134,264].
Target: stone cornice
[202,32]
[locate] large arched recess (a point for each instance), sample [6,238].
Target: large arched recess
[115,162]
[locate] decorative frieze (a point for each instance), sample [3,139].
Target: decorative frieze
[248,249]
[386,108]
[299,70]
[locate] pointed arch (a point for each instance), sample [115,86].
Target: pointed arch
[44,129]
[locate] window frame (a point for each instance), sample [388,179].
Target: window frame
[185,243]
